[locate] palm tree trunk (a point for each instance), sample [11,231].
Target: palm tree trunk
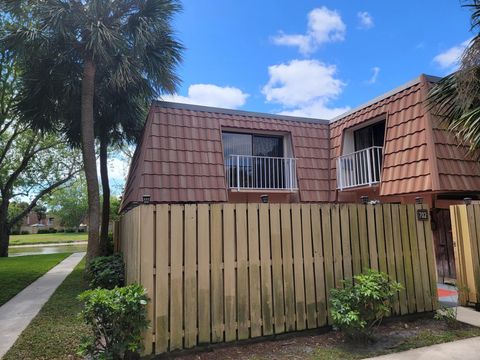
[89,158]
[106,196]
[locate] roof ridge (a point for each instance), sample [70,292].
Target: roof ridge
[218,110]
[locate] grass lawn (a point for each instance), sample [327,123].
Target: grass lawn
[46,238]
[56,331]
[18,272]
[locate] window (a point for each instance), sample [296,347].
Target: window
[256,161]
[373,135]
[254,145]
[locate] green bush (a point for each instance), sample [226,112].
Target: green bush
[361,304]
[110,244]
[42,231]
[82,230]
[106,272]
[116,318]
[52,231]
[14,232]
[25,232]
[69,230]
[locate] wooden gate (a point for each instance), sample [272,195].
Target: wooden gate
[443,240]
[226,272]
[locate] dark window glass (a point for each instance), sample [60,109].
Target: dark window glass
[373,135]
[267,146]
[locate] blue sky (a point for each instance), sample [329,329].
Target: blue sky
[312,58]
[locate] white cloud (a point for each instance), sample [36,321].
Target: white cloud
[365,19]
[211,95]
[449,59]
[324,26]
[373,79]
[304,88]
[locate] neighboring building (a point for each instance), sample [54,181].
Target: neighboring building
[391,149]
[32,224]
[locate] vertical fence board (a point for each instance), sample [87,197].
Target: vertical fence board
[398,251]
[229,284]
[310,301]
[298,267]
[372,237]
[422,252]
[278,296]
[242,271]
[176,278]
[355,239]
[222,272]
[318,263]
[265,270]
[254,271]
[473,227]
[203,217]
[337,245]
[162,288]
[417,272]
[190,283]
[363,236]
[216,257]
[407,259]
[346,247]
[147,254]
[382,253]
[327,253]
[288,285]
[432,266]
[387,211]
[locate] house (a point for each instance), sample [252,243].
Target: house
[391,149]
[32,223]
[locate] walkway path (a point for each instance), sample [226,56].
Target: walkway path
[468,349]
[16,314]
[49,244]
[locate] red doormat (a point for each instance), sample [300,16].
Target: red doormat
[445,292]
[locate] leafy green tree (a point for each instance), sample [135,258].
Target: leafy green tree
[32,164]
[70,203]
[124,42]
[456,98]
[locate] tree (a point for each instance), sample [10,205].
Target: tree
[41,211]
[32,164]
[456,98]
[70,203]
[83,37]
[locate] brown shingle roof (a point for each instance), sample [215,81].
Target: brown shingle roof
[180,157]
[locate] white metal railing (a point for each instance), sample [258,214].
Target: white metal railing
[359,168]
[260,172]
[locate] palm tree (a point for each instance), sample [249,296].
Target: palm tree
[135,37]
[456,98]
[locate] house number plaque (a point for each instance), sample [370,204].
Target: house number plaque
[422,214]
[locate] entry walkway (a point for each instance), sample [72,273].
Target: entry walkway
[16,314]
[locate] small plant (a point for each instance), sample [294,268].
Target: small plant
[25,232]
[117,318]
[106,272]
[359,307]
[448,315]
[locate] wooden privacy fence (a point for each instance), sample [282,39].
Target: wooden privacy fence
[225,272]
[466,242]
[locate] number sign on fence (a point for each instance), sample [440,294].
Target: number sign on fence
[225,272]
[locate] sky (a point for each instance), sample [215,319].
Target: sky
[310,58]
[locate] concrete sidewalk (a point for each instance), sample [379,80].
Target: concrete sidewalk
[16,314]
[468,349]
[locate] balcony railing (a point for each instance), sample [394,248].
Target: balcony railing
[360,168]
[245,172]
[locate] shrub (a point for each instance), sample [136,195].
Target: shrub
[14,232]
[106,272]
[117,318]
[361,304]
[82,230]
[42,231]
[69,230]
[110,244]
[25,232]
